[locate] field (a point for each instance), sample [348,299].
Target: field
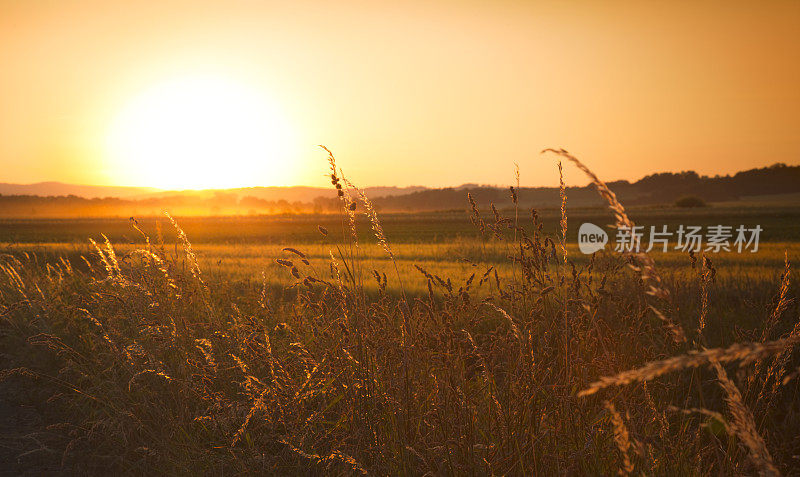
[441,343]
[444,243]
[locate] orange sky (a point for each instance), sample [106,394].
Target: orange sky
[427,93]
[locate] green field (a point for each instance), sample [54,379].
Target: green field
[780,224]
[444,243]
[157,354]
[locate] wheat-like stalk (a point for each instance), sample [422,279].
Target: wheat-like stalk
[704,412]
[511,324]
[562,192]
[621,437]
[194,267]
[335,270]
[112,256]
[258,405]
[644,263]
[147,372]
[350,209]
[744,425]
[743,352]
[705,279]
[515,200]
[336,457]
[479,364]
[783,301]
[377,228]
[778,366]
[476,215]
[207,349]
[110,266]
[14,277]
[348,204]
[160,265]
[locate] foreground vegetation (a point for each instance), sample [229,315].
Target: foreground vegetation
[525,358]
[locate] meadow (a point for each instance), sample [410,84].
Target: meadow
[475,342]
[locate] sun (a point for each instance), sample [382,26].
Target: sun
[200,133]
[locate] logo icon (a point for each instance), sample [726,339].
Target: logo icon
[591,238]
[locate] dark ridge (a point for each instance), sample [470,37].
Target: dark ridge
[655,189]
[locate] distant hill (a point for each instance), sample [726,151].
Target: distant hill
[45,189]
[64,200]
[661,188]
[289,194]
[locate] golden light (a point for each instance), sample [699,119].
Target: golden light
[198,133]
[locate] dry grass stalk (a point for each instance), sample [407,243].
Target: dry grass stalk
[350,209]
[336,271]
[348,204]
[148,372]
[476,215]
[111,255]
[159,263]
[257,406]
[111,266]
[194,267]
[135,225]
[677,330]
[515,200]
[562,192]
[705,279]
[14,276]
[777,369]
[702,411]
[783,301]
[744,425]
[621,437]
[262,296]
[347,462]
[106,336]
[743,352]
[476,363]
[644,263]
[377,228]
[511,324]
[331,160]
[207,349]
[778,366]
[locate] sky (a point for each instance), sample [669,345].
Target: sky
[434,93]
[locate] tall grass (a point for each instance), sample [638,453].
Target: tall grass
[139,362]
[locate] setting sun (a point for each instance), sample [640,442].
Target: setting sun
[197,133]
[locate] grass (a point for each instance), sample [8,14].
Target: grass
[456,259]
[464,354]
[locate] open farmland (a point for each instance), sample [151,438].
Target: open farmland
[443,342]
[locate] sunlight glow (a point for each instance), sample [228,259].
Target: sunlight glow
[198,133]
